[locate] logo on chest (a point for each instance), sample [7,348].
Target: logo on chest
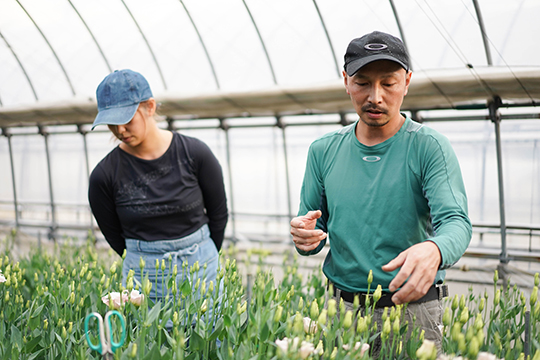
[371,158]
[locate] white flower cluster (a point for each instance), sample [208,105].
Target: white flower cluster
[119,299]
[2,277]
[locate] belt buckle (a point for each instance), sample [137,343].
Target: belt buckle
[442,291]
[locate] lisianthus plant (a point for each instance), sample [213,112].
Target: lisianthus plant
[45,297]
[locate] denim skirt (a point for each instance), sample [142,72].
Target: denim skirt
[197,246]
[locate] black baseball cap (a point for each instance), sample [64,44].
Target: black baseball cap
[372,47]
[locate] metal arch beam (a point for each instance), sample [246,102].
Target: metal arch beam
[328,38]
[92,35]
[202,44]
[147,44]
[483,31]
[50,47]
[21,66]
[262,42]
[398,23]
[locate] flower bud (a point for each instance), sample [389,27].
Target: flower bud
[157,265]
[314,311]
[370,277]
[361,325]
[332,309]
[446,317]
[298,324]
[133,353]
[534,296]
[278,313]
[163,265]
[70,327]
[395,326]
[377,294]
[322,317]
[462,302]
[474,348]
[495,277]
[72,298]
[113,268]
[204,307]
[240,309]
[64,332]
[482,304]
[142,263]
[464,315]
[347,322]
[387,327]
[384,315]
[300,303]
[497,297]
[175,270]
[196,266]
[45,324]
[536,279]
[356,301]
[6,296]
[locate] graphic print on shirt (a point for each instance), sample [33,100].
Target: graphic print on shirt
[134,195]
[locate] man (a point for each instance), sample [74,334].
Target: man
[386,191]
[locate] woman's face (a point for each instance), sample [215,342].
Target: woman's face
[135,131]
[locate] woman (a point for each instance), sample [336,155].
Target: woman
[158,194]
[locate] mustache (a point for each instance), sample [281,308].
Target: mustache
[370,107]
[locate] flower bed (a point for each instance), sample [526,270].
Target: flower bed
[44,300]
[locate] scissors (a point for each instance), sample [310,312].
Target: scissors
[106,345]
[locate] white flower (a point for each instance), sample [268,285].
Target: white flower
[306,349]
[283,344]
[118,300]
[427,350]
[310,326]
[2,277]
[136,297]
[486,356]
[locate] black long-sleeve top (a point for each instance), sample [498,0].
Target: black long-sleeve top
[162,199]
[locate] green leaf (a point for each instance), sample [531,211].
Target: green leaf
[30,345]
[153,354]
[227,320]
[217,330]
[196,342]
[186,288]
[37,311]
[16,337]
[265,331]
[64,291]
[153,314]
[36,354]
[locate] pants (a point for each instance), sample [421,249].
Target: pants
[197,246]
[428,318]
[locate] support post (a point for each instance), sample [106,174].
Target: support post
[8,135]
[495,117]
[281,125]
[225,127]
[83,132]
[54,225]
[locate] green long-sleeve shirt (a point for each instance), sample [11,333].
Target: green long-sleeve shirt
[379,200]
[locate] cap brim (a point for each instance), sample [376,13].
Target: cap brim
[115,116]
[357,64]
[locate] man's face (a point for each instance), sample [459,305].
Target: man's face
[377,91]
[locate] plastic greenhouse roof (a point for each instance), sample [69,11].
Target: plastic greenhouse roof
[219,58]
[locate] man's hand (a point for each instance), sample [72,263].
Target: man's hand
[419,264]
[305,236]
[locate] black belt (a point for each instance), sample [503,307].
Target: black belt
[435,292]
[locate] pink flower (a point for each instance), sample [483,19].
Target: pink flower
[118,300]
[283,344]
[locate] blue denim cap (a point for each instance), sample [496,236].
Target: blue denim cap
[118,97]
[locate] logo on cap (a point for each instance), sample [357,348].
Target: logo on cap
[375,47]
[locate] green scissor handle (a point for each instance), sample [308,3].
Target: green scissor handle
[106,342]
